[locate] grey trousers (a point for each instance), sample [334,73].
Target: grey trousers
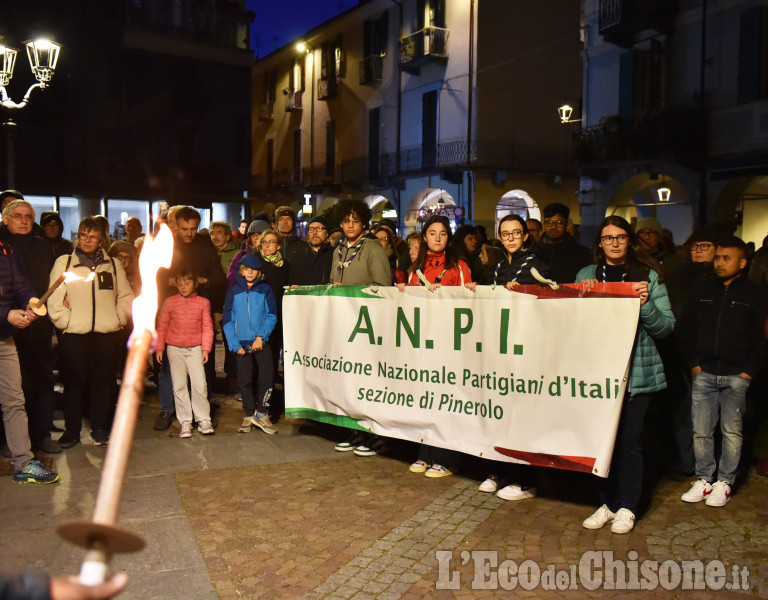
[12,402]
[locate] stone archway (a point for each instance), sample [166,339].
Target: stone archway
[424,199]
[633,194]
[517,202]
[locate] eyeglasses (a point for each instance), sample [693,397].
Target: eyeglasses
[608,240]
[270,243]
[350,221]
[25,218]
[516,234]
[315,229]
[559,223]
[90,238]
[703,247]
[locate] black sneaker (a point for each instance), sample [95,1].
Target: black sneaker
[100,437]
[163,421]
[68,440]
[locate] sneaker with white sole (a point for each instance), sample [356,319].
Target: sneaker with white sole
[721,494]
[263,424]
[246,425]
[206,428]
[490,485]
[700,490]
[516,492]
[623,521]
[350,443]
[600,518]
[418,467]
[437,471]
[370,446]
[186,430]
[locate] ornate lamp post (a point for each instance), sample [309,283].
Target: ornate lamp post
[43,55]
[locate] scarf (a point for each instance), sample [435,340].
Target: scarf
[90,260]
[276,258]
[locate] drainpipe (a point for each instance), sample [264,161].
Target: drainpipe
[470,88]
[702,116]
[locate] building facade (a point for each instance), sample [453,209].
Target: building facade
[676,97]
[150,103]
[420,106]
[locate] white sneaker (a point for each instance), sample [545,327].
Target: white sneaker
[186,430]
[721,494]
[206,428]
[601,517]
[490,485]
[515,492]
[623,521]
[418,467]
[437,471]
[699,491]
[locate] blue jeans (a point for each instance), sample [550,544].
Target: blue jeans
[713,396]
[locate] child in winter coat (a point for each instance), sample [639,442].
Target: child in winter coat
[250,315]
[185,332]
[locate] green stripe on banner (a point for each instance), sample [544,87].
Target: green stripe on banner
[346,291]
[324,417]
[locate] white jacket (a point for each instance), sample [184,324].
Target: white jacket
[102,305]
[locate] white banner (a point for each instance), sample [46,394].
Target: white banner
[497,374]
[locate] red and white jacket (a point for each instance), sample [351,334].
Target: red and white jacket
[185,323]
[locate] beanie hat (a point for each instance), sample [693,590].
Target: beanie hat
[285,211]
[50,215]
[251,261]
[703,234]
[121,246]
[257,227]
[320,219]
[649,223]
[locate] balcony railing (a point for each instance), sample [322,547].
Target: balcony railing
[620,20]
[371,69]
[417,49]
[675,131]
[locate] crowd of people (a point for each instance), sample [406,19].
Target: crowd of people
[700,343]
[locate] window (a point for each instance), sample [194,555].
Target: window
[119,210]
[430,13]
[297,156]
[375,36]
[641,76]
[429,129]
[331,60]
[753,55]
[270,166]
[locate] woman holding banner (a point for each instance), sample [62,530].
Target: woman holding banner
[512,270]
[619,258]
[436,265]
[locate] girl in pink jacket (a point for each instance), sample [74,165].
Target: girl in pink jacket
[185,332]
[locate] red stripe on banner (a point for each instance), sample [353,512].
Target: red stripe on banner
[584,464]
[617,289]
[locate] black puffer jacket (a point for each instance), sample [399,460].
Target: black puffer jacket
[15,290]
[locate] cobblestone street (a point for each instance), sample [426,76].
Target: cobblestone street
[254,516]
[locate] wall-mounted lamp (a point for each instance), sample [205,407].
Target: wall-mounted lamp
[565,112]
[303,47]
[664,192]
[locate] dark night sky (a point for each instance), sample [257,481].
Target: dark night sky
[281,21]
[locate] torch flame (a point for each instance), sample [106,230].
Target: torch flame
[155,253]
[70,277]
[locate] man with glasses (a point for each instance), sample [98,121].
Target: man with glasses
[678,393]
[558,248]
[311,261]
[34,342]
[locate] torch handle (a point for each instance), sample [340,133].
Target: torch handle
[41,303]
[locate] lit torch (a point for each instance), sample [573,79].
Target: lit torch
[100,535]
[38,305]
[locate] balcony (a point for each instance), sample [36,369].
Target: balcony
[677,132]
[292,100]
[327,88]
[425,46]
[371,69]
[621,20]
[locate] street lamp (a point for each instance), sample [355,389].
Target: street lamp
[43,55]
[565,112]
[663,192]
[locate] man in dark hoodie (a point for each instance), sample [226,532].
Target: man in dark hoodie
[34,342]
[564,255]
[53,227]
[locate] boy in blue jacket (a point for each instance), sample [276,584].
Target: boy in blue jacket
[250,315]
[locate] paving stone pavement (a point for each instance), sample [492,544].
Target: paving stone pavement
[284,516]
